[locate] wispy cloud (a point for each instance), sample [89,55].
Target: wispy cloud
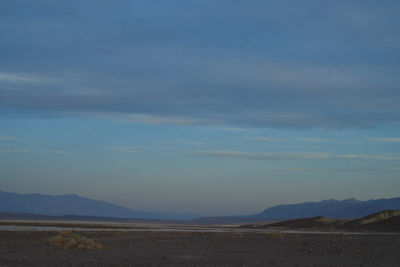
[259,156]
[19,77]
[300,169]
[326,140]
[8,138]
[385,140]
[263,138]
[35,151]
[303,139]
[189,142]
[291,155]
[135,148]
[365,156]
[235,129]
[296,169]
[314,140]
[153,119]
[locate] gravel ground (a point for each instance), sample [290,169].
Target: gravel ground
[25,248]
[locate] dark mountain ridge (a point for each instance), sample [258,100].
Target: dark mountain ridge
[59,205]
[348,208]
[383,221]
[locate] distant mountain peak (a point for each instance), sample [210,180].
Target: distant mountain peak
[328,200]
[72,195]
[72,204]
[347,208]
[352,199]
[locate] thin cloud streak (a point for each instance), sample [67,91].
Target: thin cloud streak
[291,155]
[190,142]
[36,151]
[314,140]
[22,78]
[259,156]
[152,119]
[234,129]
[268,139]
[8,138]
[306,140]
[369,157]
[385,140]
[296,169]
[135,148]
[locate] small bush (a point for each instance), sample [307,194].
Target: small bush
[274,235]
[238,233]
[346,236]
[123,233]
[70,239]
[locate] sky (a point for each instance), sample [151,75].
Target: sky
[214,107]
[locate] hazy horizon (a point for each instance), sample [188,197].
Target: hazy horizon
[198,214]
[210,107]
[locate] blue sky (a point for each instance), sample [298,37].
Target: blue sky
[215,107]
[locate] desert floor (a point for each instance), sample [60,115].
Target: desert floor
[163,248]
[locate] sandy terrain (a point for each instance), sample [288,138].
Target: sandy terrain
[149,248]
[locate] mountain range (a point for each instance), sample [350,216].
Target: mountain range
[61,205]
[348,208]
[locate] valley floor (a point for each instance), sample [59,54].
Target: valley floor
[163,248]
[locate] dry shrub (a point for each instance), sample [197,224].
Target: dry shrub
[238,233]
[305,244]
[346,236]
[183,233]
[190,234]
[70,239]
[124,233]
[274,235]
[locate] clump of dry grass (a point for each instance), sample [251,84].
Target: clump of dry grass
[238,233]
[274,235]
[346,236]
[123,233]
[70,239]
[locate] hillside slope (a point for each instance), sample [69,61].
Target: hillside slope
[57,205]
[383,221]
[387,220]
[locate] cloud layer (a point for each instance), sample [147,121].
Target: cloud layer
[243,64]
